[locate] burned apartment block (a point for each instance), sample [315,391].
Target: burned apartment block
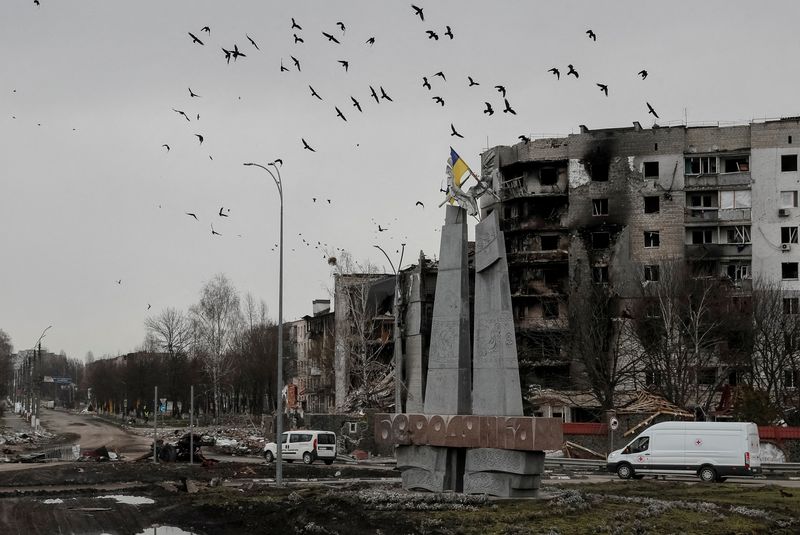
[609,209]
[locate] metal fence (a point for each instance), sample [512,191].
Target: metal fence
[63,453]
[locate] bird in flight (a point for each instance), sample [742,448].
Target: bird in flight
[488,109]
[432,35]
[296,62]
[508,108]
[441,75]
[192,93]
[282,67]
[419,203]
[418,11]
[200,137]
[214,232]
[340,25]
[149,306]
[651,110]
[340,114]
[331,38]
[298,39]
[119,281]
[344,64]
[236,52]
[501,89]
[381,229]
[278,161]
[591,35]
[181,113]
[524,139]
[371,41]
[227,55]
[306,145]
[193,215]
[36,3]
[206,29]
[471,81]
[438,100]
[556,72]
[572,70]
[166,146]
[384,95]
[603,88]
[314,93]
[453,131]
[643,74]
[295,25]
[425,83]
[356,104]
[195,39]
[449,32]
[251,41]
[220,212]
[374,94]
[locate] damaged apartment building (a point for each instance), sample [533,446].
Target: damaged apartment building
[611,207]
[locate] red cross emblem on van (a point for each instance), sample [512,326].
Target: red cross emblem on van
[698,442]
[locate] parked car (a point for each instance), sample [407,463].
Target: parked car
[305,445]
[711,450]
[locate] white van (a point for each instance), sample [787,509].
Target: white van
[710,450]
[307,446]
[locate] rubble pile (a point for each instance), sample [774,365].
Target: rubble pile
[225,440]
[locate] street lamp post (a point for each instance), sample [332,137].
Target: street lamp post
[279,401]
[35,377]
[398,349]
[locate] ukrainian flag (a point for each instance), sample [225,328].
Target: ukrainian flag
[459,167]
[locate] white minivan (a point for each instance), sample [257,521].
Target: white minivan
[304,445]
[710,450]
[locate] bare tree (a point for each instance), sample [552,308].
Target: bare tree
[216,319]
[775,359]
[6,364]
[602,341]
[363,299]
[678,324]
[171,332]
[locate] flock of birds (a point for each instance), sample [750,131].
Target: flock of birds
[433,83]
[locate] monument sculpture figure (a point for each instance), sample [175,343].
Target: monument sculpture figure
[472,436]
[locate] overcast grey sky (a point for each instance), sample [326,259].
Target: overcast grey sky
[88,195]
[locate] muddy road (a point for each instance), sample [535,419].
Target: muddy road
[91,432]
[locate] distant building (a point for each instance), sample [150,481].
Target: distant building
[313,339]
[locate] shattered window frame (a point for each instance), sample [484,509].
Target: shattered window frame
[599,207]
[650,169]
[791,305]
[651,273]
[600,274]
[652,239]
[788,163]
[789,234]
[652,204]
[700,165]
[789,270]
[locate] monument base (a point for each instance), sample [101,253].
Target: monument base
[503,473]
[432,468]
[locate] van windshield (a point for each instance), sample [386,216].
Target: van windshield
[638,445]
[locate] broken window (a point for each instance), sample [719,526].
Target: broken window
[652,377]
[738,234]
[736,164]
[738,272]
[599,207]
[789,199]
[735,199]
[707,375]
[651,238]
[601,240]
[788,234]
[700,165]
[600,274]
[549,308]
[651,205]
[548,176]
[651,169]
[788,162]
[788,270]
[789,343]
[549,243]
[700,200]
[702,236]
[520,309]
[791,378]
[791,305]
[651,273]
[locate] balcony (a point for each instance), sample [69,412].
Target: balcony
[516,187]
[554,221]
[535,257]
[718,250]
[711,214]
[716,181]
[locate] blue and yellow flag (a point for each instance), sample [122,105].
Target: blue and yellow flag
[459,167]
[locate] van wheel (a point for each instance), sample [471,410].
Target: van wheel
[624,471]
[307,458]
[269,457]
[328,461]
[707,474]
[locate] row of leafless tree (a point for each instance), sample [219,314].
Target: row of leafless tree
[687,337]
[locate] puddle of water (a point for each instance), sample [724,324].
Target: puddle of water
[53,500]
[129,500]
[164,530]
